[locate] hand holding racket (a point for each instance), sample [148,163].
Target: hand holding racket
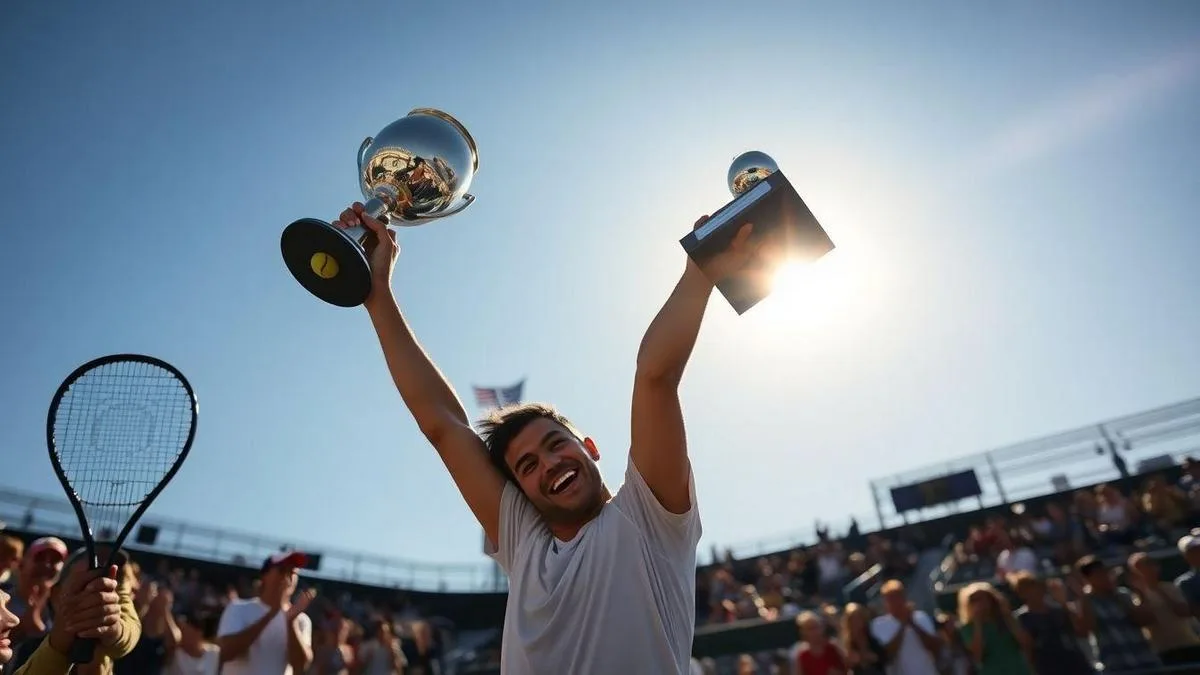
[118,430]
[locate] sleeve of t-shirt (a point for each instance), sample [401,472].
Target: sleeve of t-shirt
[518,521]
[233,620]
[636,500]
[884,629]
[924,623]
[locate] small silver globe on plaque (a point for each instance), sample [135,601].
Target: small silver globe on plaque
[748,169]
[415,170]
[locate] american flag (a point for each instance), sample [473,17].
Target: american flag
[490,398]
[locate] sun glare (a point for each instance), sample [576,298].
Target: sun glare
[829,297]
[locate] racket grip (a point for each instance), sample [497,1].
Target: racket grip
[83,650]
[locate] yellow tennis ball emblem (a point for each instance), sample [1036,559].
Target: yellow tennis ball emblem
[323,265]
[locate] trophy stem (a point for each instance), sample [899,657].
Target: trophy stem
[375,207]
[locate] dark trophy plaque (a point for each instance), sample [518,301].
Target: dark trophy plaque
[785,230]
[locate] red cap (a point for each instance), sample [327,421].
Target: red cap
[289,558]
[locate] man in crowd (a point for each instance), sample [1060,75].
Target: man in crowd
[909,636]
[1054,629]
[1170,633]
[87,604]
[1114,619]
[269,635]
[1189,582]
[30,590]
[600,582]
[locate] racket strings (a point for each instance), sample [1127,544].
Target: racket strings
[119,430]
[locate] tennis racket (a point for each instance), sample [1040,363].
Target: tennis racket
[119,428]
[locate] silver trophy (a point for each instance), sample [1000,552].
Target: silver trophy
[416,169]
[784,229]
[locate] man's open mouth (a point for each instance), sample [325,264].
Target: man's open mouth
[562,482]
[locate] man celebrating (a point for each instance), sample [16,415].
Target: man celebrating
[269,635]
[599,582]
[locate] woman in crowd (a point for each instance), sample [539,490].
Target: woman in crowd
[422,657]
[864,654]
[997,644]
[952,658]
[381,654]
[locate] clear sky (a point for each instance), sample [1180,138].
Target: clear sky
[1013,191]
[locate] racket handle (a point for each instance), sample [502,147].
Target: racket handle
[83,650]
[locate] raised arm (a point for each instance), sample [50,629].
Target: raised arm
[438,412]
[659,444]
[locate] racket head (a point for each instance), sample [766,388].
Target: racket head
[108,413]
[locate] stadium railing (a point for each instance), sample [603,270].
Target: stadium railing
[30,512]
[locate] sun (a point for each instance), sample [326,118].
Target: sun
[830,295]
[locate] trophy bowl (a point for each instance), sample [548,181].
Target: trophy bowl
[415,170]
[748,169]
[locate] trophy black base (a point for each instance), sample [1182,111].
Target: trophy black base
[785,230]
[327,262]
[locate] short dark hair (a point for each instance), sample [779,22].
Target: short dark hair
[500,427]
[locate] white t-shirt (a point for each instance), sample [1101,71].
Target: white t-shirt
[183,663]
[268,654]
[619,598]
[913,658]
[1021,559]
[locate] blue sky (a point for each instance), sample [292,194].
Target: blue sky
[1013,192]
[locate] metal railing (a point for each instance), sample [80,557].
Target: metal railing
[1104,451]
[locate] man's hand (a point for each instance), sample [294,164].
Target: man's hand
[303,600]
[277,600]
[736,257]
[382,248]
[32,619]
[87,607]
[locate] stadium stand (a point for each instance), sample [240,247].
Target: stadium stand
[1123,491]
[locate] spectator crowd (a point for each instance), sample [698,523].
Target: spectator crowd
[193,627]
[1059,589]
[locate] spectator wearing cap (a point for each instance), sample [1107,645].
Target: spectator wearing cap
[1189,582]
[30,591]
[88,604]
[269,634]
